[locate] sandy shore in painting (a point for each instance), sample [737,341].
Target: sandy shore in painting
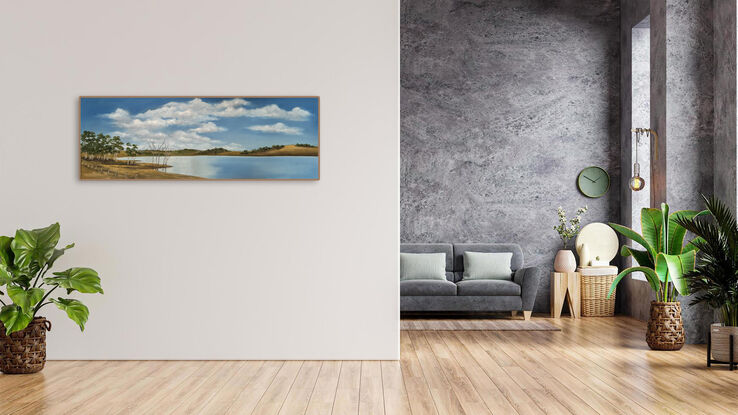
[115,170]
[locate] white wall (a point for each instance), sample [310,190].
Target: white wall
[222,270]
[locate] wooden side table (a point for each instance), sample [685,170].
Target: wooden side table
[566,285]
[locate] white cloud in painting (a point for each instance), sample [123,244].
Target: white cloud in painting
[279,127]
[274,111]
[184,124]
[195,111]
[208,127]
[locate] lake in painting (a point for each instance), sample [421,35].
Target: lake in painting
[194,138]
[230,167]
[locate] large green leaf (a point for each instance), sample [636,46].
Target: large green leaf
[14,319]
[75,310]
[9,275]
[651,227]
[677,232]
[6,254]
[25,299]
[84,280]
[6,277]
[635,236]
[661,268]
[35,246]
[678,266]
[651,277]
[641,257]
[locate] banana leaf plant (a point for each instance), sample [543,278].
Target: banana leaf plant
[664,259]
[25,260]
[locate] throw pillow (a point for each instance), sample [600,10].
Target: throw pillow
[487,265]
[422,266]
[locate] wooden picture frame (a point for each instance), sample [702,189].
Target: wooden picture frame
[224,138]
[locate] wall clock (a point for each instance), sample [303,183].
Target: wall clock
[593,181]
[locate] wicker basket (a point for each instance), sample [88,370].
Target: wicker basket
[594,296]
[665,329]
[24,351]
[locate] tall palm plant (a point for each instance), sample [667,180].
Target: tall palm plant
[664,258]
[715,277]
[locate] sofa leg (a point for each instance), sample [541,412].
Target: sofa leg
[526,315]
[514,313]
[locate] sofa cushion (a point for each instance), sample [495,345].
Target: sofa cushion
[487,288]
[487,265]
[428,266]
[447,249]
[427,288]
[459,249]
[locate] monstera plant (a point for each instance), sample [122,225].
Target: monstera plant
[664,260]
[25,261]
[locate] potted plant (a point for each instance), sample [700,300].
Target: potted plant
[714,279]
[565,261]
[25,260]
[664,261]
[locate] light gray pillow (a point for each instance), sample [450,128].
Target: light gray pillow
[487,265]
[422,266]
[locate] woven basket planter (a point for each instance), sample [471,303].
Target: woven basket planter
[594,296]
[665,327]
[24,351]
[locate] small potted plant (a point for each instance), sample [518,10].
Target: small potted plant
[714,279]
[25,261]
[664,260]
[565,261]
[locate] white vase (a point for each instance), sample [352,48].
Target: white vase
[720,342]
[565,261]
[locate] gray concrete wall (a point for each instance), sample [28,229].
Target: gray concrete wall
[689,102]
[689,122]
[502,104]
[724,38]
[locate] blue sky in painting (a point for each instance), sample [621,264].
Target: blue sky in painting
[202,123]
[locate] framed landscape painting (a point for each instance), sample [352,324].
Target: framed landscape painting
[199,138]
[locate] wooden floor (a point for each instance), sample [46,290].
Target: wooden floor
[592,366]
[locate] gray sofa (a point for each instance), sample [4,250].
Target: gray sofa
[455,294]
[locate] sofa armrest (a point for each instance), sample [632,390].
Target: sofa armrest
[528,279]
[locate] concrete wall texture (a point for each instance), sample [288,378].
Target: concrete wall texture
[724,38]
[502,104]
[689,124]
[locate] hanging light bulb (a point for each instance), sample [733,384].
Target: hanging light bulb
[636,182]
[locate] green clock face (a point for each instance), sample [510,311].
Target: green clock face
[593,181]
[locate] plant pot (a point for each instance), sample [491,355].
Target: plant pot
[565,261]
[720,342]
[24,351]
[665,326]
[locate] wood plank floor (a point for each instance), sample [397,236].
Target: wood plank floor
[592,366]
